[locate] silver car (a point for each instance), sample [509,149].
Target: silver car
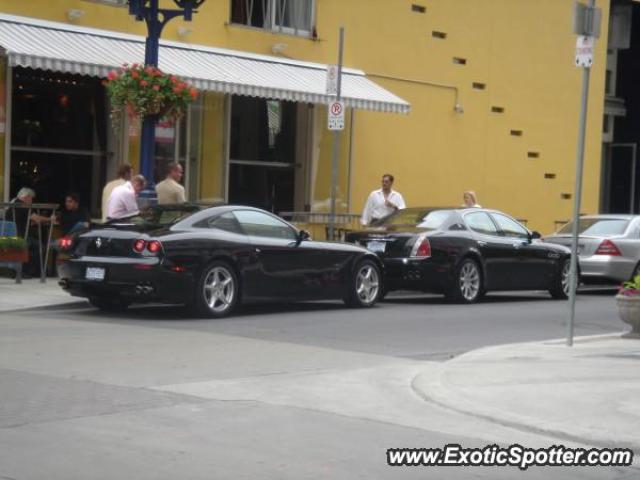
[608,247]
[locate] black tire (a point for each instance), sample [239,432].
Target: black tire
[365,285]
[468,285]
[114,304]
[561,283]
[213,300]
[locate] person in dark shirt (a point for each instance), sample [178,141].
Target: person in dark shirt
[73,217]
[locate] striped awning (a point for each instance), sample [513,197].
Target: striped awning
[60,47]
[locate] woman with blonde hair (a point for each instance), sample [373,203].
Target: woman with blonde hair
[469,199]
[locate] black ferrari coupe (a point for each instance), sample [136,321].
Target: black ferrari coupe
[464,253]
[211,260]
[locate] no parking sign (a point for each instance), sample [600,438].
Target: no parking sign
[336,115]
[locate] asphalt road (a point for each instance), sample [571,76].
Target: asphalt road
[278,391]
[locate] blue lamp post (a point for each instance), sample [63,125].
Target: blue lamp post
[156,18]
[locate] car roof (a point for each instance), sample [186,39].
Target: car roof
[623,216]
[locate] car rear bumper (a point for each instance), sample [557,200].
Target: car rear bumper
[420,274]
[606,268]
[141,281]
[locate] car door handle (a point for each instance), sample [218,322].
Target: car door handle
[482,243]
[257,251]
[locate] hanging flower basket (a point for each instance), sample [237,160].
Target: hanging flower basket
[13,249]
[145,90]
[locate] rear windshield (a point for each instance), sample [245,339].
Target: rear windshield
[598,226]
[427,219]
[159,217]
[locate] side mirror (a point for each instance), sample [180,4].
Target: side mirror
[535,235]
[303,235]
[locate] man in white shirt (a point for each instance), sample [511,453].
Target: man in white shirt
[169,190]
[122,202]
[124,175]
[382,202]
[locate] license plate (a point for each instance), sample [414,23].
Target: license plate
[94,273]
[377,246]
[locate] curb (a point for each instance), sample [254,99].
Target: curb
[47,306]
[431,388]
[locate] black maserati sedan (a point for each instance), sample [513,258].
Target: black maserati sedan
[213,259]
[463,253]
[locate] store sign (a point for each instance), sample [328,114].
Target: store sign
[336,115]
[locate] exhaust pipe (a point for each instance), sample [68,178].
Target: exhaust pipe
[142,289]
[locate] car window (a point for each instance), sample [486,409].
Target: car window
[263,225]
[598,226]
[415,217]
[510,227]
[481,222]
[434,220]
[226,221]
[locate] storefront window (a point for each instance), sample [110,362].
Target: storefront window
[262,153]
[58,135]
[3,121]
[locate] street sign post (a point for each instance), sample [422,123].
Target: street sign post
[336,110]
[335,115]
[587,26]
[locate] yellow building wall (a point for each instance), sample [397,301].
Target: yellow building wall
[212,154]
[521,50]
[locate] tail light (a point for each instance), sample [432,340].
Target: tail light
[154,246]
[65,242]
[138,245]
[607,247]
[422,247]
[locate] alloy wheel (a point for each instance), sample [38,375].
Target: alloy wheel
[367,284]
[219,289]
[565,278]
[469,281]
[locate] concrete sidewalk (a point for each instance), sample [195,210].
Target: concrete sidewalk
[33,294]
[588,393]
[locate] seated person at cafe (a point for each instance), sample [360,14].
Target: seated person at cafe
[20,215]
[73,217]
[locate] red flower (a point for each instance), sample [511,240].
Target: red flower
[173,79]
[156,88]
[135,65]
[193,92]
[177,89]
[149,70]
[135,74]
[143,83]
[113,75]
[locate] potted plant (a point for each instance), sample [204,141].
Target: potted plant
[628,300]
[145,90]
[13,249]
